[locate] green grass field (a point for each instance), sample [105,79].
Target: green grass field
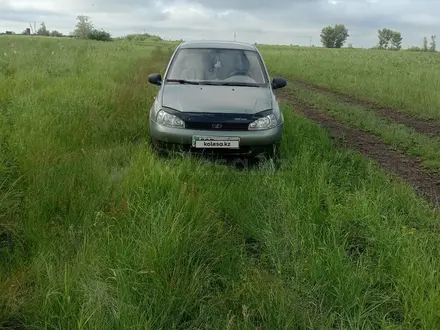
[97,232]
[406,80]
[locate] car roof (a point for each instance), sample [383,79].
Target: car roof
[217,44]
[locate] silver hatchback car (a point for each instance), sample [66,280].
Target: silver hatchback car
[216,97]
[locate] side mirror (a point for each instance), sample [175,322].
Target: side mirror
[155,79]
[278,82]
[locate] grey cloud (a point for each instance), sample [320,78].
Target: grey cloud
[27,16]
[251,5]
[280,21]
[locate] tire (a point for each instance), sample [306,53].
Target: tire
[155,149]
[275,154]
[274,151]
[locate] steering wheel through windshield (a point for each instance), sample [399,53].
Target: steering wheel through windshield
[240,73]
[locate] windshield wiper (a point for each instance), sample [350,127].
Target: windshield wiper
[183,81]
[227,83]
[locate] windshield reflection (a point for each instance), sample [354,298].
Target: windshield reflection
[222,66]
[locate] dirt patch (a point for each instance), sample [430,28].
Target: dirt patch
[406,167]
[423,126]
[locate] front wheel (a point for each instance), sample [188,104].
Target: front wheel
[156,149]
[274,151]
[272,154]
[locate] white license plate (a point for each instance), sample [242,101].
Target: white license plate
[216,142]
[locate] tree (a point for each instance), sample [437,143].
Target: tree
[334,36]
[55,33]
[84,27]
[43,31]
[385,36]
[396,40]
[327,37]
[433,44]
[99,35]
[389,39]
[425,44]
[341,35]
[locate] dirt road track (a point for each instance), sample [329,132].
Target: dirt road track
[406,167]
[419,125]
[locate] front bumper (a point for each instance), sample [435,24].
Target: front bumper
[243,151]
[184,136]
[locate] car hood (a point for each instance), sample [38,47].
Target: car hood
[221,99]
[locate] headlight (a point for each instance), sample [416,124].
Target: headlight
[267,122]
[167,119]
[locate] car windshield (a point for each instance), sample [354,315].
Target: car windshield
[217,66]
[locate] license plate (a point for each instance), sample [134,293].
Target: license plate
[226,142]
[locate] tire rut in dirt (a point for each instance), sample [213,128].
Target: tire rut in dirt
[423,126]
[408,168]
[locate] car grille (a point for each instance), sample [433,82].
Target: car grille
[214,126]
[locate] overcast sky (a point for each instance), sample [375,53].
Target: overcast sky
[262,21]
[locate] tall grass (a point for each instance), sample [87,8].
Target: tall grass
[399,136]
[97,232]
[404,80]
